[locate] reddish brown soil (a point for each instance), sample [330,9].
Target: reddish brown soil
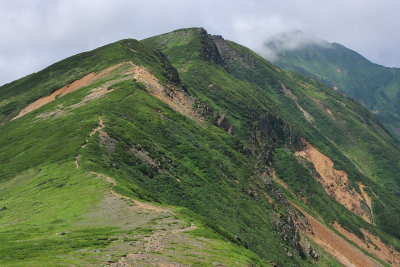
[176,99]
[377,248]
[335,182]
[84,81]
[335,245]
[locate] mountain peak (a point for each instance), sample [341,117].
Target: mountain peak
[289,41]
[226,142]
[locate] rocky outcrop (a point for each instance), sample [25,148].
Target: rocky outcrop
[289,225]
[216,49]
[209,50]
[267,132]
[216,118]
[230,55]
[310,250]
[142,154]
[287,230]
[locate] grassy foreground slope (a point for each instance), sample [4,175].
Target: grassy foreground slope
[57,205]
[189,153]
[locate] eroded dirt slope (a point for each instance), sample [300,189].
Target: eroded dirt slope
[336,183]
[84,81]
[373,245]
[340,249]
[175,98]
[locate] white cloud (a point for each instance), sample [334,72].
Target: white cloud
[37,33]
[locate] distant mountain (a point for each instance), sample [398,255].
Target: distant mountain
[186,149]
[376,87]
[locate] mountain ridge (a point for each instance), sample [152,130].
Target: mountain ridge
[202,124]
[373,85]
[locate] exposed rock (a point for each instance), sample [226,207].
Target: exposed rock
[209,50]
[107,142]
[216,118]
[267,132]
[144,156]
[230,55]
[288,231]
[289,226]
[310,250]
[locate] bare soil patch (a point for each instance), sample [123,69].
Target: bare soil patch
[374,245]
[178,100]
[157,241]
[84,81]
[139,206]
[339,248]
[336,183]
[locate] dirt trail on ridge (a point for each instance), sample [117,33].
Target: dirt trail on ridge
[139,206]
[101,126]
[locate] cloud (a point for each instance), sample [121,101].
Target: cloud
[288,41]
[37,33]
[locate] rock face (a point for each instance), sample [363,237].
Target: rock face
[311,251]
[230,55]
[216,118]
[217,50]
[289,226]
[209,50]
[285,227]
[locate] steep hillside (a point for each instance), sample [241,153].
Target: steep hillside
[374,86]
[185,149]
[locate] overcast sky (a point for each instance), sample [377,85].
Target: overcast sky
[36,33]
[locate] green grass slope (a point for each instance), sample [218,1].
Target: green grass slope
[55,212]
[373,85]
[188,131]
[353,137]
